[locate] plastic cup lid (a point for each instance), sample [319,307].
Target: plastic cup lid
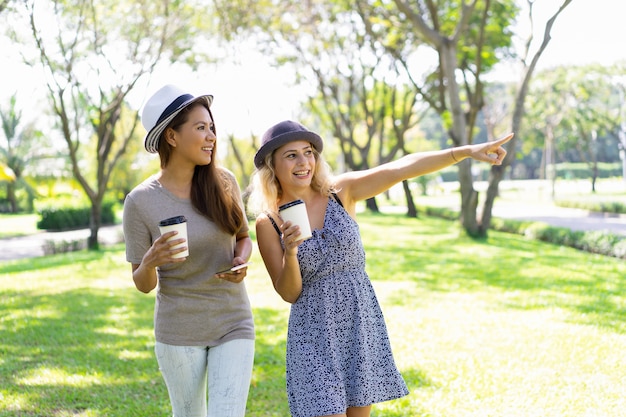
[173,220]
[290,204]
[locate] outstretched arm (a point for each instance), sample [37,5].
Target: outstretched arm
[360,185]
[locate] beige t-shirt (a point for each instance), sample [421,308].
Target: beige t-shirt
[192,307]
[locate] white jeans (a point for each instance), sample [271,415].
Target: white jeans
[229,370]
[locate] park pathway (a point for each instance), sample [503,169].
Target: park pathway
[574,219]
[33,245]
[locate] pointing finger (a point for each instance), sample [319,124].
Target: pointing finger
[503,139]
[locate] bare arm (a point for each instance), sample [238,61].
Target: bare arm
[361,185]
[282,265]
[243,248]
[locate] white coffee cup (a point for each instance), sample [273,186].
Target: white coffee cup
[178,223]
[295,212]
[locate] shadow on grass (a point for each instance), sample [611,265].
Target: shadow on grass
[79,350]
[77,337]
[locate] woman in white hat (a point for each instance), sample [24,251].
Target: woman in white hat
[339,359]
[203,322]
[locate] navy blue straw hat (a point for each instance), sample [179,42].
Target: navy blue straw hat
[161,108]
[282,133]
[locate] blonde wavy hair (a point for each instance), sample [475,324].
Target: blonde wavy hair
[265,189]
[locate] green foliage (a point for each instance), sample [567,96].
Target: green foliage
[21,150]
[54,246]
[72,216]
[94,56]
[556,235]
[619,249]
[63,218]
[496,35]
[441,212]
[576,110]
[602,242]
[615,207]
[510,225]
[598,242]
[579,170]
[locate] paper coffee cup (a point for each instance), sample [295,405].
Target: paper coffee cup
[295,212]
[178,223]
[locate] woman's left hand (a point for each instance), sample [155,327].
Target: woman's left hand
[235,276]
[491,152]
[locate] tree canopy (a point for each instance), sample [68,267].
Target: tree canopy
[93,54]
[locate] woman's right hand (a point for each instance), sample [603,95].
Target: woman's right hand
[161,251]
[291,232]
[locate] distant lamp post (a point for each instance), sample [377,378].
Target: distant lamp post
[622,153]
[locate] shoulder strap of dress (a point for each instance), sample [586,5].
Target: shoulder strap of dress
[273,223]
[337,199]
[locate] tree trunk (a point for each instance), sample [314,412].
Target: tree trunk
[458,133]
[469,199]
[497,172]
[410,204]
[371,205]
[95,222]
[11,196]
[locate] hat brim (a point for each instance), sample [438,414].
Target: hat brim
[151,141]
[278,141]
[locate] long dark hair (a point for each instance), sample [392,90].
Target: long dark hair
[212,193]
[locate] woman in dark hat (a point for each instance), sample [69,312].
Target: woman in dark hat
[203,320]
[339,360]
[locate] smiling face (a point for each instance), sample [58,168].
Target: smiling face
[294,164]
[193,140]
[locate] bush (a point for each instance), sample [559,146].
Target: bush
[615,207]
[66,217]
[510,226]
[598,242]
[52,247]
[441,212]
[581,170]
[601,242]
[557,235]
[619,250]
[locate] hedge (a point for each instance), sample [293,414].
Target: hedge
[65,217]
[600,242]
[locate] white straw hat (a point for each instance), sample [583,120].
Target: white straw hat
[161,108]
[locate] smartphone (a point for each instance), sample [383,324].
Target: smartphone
[234,268]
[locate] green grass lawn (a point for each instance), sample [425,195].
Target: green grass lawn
[18,225]
[499,327]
